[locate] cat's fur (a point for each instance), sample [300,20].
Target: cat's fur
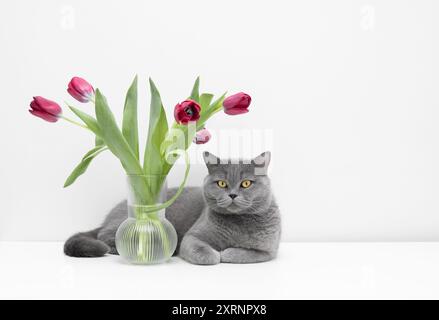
[211,226]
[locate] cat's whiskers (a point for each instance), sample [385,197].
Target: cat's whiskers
[242,202]
[224,202]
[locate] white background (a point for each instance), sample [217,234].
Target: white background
[345,91]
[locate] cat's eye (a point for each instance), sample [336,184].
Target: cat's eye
[246,183]
[221,183]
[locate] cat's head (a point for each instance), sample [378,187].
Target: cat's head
[237,186]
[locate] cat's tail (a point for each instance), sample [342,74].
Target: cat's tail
[85,244]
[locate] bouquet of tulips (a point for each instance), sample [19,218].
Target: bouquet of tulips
[164,143]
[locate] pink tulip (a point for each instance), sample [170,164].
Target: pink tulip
[237,103]
[81,90]
[187,111]
[203,136]
[45,109]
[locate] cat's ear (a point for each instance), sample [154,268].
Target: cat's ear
[210,159]
[261,163]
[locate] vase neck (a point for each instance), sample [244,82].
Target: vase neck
[138,212]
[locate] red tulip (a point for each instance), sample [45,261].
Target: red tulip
[81,90]
[187,111]
[203,136]
[45,109]
[237,103]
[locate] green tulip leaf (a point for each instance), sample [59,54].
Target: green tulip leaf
[89,121]
[94,152]
[129,123]
[99,141]
[113,137]
[214,107]
[195,94]
[205,100]
[218,103]
[83,165]
[158,128]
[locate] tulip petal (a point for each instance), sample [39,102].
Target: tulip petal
[80,89]
[237,103]
[34,105]
[82,85]
[187,111]
[46,105]
[43,115]
[203,136]
[235,111]
[75,94]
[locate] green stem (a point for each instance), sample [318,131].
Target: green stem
[143,244]
[164,237]
[75,123]
[145,209]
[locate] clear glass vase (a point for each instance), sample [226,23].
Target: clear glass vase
[146,236]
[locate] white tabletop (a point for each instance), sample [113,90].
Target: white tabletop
[302,271]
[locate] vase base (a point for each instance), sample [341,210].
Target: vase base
[146,241]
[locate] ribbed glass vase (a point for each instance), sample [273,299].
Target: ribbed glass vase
[146,237]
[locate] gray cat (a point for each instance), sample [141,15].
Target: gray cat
[234,218]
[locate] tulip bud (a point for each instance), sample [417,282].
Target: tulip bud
[203,136]
[81,90]
[237,103]
[45,109]
[187,111]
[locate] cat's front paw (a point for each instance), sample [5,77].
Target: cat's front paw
[228,255]
[198,252]
[206,256]
[241,255]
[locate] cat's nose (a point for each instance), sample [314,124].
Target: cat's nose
[233,196]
